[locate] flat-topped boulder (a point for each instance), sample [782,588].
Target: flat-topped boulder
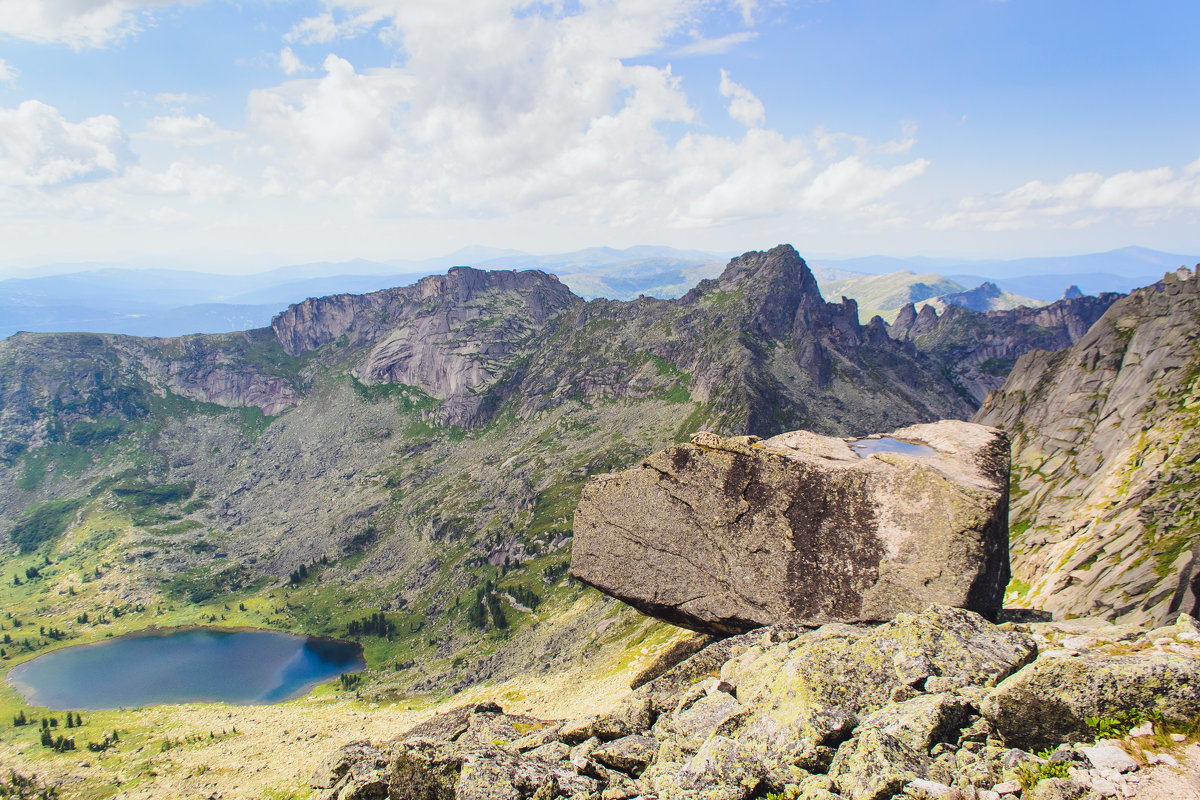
[723,535]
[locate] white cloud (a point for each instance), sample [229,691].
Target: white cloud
[325,28]
[290,63]
[8,73]
[501,109]
[77,23]
[1081,199]
[343,116]
[852,184]
[178,98]
[38,147]
[715,46]
[496,111]
[184,130]
[198,183]
[743,105]
[747,8]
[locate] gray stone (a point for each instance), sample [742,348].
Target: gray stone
[1060,789]
[338,763]
[629,754]
[1050,701]
[723,535]
[876,766]
[920,722]
[931,789]
[1109,756]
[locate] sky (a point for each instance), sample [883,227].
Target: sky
[249,132]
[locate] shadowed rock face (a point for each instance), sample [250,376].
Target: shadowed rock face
[979,348]
[724,535]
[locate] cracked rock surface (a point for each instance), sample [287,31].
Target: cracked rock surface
[819,714]
[723,535]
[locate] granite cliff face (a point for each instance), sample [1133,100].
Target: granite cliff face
[448,335]
[68,378]
[758,346]
[1106,447]
[979,349]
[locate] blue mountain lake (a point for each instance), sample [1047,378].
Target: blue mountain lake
[184,666]
[886,444]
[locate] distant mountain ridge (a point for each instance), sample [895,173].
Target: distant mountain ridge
[410,446]
[106,298]
[1041,278]
[163,302]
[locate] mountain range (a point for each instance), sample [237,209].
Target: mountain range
[408,445]
[401,466]
[154,301]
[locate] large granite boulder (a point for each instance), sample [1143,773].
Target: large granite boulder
[723,535]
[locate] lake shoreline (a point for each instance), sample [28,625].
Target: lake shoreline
[237,665]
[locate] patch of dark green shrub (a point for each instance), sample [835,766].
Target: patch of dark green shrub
[44,524]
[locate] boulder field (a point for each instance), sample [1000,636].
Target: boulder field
[935,704]
[723,535]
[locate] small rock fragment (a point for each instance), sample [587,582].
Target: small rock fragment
[1109,756]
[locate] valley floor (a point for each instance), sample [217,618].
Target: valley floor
[202,750]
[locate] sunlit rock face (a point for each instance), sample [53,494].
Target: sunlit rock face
[723,535]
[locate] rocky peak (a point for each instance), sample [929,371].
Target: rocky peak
[979,348]
[308,325]
[777,284]
[544,294]
[1072,292]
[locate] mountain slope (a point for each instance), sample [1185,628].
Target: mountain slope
[886,294]
[986,296]
[417,450]
[1106,462]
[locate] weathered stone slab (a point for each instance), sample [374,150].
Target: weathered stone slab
[725,535]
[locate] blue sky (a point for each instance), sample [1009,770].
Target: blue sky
[266,130]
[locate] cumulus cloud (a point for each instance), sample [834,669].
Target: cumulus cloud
[183,130]
[290,63]
[494,110]
[743,105]
[77,23]
[198,183]
[327,27]
[343,116]
[38,147]
[499,108]
[1084,198]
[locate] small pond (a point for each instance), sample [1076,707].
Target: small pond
[183,666]
[886,444]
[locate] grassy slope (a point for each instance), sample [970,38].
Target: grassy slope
[886,294]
